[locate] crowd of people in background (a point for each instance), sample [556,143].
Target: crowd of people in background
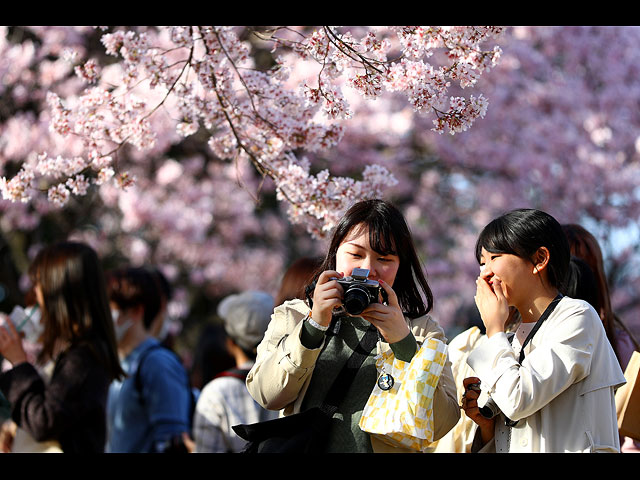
[102,378]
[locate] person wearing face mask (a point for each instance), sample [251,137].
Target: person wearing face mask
[150,410]
[307,343]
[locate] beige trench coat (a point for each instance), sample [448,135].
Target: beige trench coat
[283,369]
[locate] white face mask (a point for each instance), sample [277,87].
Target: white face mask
[122,328]
[164,329]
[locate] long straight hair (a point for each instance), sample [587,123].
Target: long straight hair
[75,307]
[388,234]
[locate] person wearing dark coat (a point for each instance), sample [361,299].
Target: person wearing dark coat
[78,338]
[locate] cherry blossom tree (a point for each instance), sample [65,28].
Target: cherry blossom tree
[114,117]
[561,135]
[223,153]
[205,77]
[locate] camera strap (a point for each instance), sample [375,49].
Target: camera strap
[547,312]
[308,292]
[350,369]
[539,323]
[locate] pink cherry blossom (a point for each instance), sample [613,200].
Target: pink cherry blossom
[222,153]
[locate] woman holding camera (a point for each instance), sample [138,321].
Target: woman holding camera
[552,384]
[307,344]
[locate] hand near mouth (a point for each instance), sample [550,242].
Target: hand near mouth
[492,304]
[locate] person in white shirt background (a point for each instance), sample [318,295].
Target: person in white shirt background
[225,400]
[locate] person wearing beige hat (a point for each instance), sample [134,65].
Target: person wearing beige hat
[225,401]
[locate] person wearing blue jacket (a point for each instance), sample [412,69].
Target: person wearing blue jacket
[150,410]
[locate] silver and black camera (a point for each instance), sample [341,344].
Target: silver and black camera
[360,291]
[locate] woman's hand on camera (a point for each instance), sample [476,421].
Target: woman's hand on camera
[326,296]
[470,406]
[492,304]
[388,319]
[11,344]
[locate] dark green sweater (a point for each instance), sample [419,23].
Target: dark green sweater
[345,435]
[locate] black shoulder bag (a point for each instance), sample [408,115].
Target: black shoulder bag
[306,432]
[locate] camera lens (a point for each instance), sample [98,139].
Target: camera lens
[355,300]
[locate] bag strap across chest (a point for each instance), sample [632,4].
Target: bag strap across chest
[347,374]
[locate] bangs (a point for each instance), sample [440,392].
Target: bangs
[388,234]
[381,237]
[383,243]
[497,238]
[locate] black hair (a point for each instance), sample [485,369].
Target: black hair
[130,287]
[522,232]
[388,234]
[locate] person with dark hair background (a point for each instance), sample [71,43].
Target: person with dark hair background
[210,356]
[306,345]
[150,411]
[79,338]
[552,385]
[581,282]
[584,245]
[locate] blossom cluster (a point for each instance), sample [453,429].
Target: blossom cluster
[205,78]
[425,84]
[318,201]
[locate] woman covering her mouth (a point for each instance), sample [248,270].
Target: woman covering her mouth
[552,384]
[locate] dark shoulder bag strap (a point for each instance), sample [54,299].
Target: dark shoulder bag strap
[508,422]
[349,371]
[539,323]
[137,378]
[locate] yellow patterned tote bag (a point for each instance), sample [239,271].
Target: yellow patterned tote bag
[400,408]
